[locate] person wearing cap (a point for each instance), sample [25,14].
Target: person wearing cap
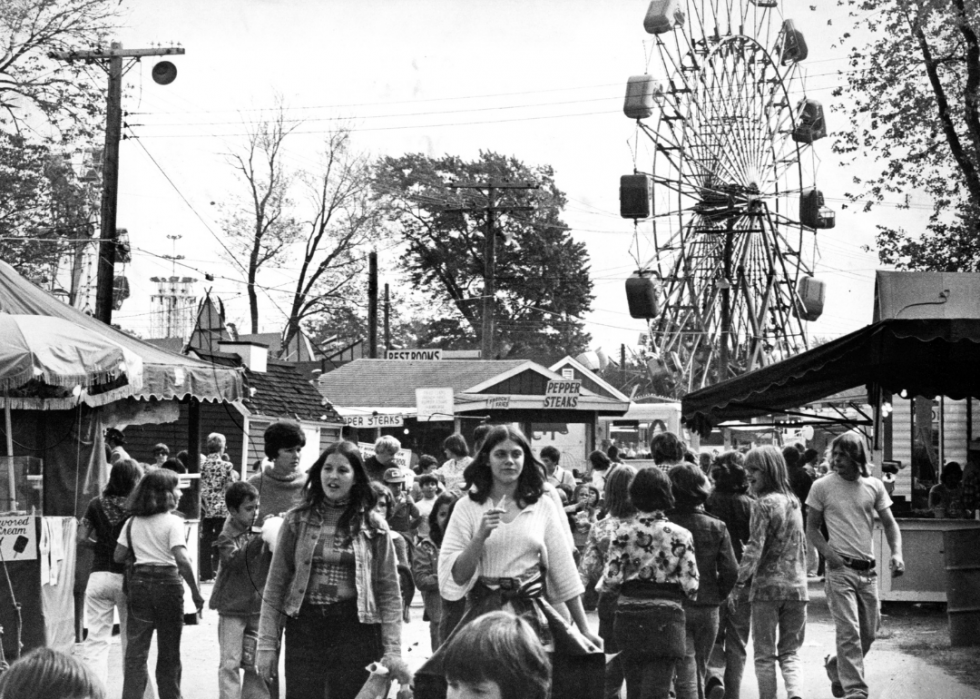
[405,516]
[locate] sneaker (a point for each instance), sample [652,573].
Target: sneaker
[714,689]
[830,665]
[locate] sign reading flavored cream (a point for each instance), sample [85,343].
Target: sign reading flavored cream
[18,538]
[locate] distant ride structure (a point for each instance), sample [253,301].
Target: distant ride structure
[730,193]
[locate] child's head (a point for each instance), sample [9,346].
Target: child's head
[442,510]
[395,480]
[428,484]
[242,499]
[497,656]
[45,672]
[156,492]
[587,495]
[385,502]
[427,464]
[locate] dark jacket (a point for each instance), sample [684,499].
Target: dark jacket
[242,572]
[713,551]
[735,510]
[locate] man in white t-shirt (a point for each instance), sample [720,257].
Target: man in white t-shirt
[847,500]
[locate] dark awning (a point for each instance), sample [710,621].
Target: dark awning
[924,357]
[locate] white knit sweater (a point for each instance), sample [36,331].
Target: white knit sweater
[537,536]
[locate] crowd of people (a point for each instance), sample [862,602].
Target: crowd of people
[508,551]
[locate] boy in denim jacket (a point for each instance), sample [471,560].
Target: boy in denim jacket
[237,595]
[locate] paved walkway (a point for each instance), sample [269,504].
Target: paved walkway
[892,674]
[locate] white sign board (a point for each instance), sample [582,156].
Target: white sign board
[374,420]
[434,404]
[562,394]
[403,459]
[18,538]
[409,355]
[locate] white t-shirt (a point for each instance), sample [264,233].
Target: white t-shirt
[154,538]
[848,509]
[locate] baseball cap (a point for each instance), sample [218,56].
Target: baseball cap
[394,475]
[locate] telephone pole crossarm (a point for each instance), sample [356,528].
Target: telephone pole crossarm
[490,248]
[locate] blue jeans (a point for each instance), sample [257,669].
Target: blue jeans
[235,682]
[701,624]
[778,628]
[852,596]
[727,661]
[156,602]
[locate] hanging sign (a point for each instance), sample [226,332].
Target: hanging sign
[374,420]
[18,538]
[414,354]
[562,394]
[434,404]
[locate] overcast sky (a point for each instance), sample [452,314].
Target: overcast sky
[542,80]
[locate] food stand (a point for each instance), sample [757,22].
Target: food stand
[924,342]
[93,377]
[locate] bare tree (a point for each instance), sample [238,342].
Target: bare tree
[260,225]
[342,222]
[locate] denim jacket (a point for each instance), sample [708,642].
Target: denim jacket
[375,577]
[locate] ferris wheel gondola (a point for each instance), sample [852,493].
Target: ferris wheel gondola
[732,204]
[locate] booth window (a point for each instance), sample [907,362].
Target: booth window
[926,431]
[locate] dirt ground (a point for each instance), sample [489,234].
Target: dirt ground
[922,630]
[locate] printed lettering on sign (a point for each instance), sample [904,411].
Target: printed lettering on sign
[374,420]
[562,395]
[498,403]
[414,355]
[18,538]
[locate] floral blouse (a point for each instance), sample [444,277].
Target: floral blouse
[593,562]
[216,475]
[775,557]
[650,548]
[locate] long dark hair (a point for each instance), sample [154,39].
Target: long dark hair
[530,484]
[123,477]
[435,531]
[154,494]
[362,497]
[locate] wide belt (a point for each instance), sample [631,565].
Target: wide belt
[858,563]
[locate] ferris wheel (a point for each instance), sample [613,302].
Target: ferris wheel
[729,190]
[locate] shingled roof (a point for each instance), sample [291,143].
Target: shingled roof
[383,383]
[279,392]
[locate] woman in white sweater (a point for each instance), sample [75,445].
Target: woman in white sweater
[506,546]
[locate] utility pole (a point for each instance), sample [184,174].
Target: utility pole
[110,60]
[387,319]
[373,305]
[490,249]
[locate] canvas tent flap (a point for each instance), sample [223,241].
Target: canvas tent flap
[926,357]
[166,375]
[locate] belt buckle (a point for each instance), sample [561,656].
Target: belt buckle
[509,583]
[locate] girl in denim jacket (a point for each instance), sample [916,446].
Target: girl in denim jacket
[333,585]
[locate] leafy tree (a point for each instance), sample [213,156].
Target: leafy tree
[47,108]
[542,281]
[68,96]
[912,98]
